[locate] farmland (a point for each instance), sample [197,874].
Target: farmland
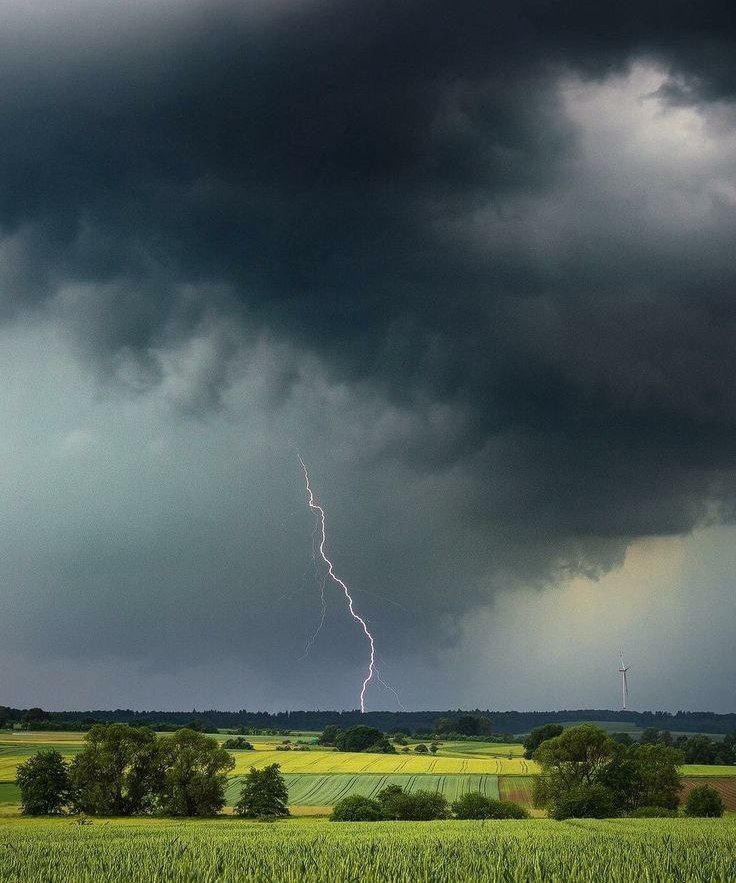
[308,789]
[317,851]
[319,777]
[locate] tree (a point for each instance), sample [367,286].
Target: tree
[34,716]
[388,799]
[118,772]
[622,739]
[44,784]
[358,738]
[421,748]
[700,749]
[539,735]
[649,736]
[704,802]
[644,775]
[264,794]
[329,735]
[356,808]
[195,774]
[474,805]
[571,765]
[433,747]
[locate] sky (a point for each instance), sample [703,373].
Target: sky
[473,262]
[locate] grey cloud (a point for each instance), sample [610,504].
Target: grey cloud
[437,248]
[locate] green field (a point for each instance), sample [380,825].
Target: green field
[324,790]
[316,851]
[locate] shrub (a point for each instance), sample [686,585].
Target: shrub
[238,744]
[421,748]
[382,746]
[475,805]
[583,802]
[44,784]
[653,812]
[420,806]
[704,802]
[356,808]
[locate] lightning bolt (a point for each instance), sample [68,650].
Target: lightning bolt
[314,505]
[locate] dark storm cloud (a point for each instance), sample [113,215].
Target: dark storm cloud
[401,192]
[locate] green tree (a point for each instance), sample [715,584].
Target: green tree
[358,738]
[329,735]
[421,748]
[195,774]
[704,802]
[356,808]
[573,762]
[264,794]
[388,798]
[118,772]
[644,775]
[539,735]
[43,781]
[700,749]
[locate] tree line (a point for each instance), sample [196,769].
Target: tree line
[586,773]
[421,722]
[127,771]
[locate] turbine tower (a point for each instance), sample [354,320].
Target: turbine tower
[624,683]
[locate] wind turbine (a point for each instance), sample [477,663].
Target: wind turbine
[624,683]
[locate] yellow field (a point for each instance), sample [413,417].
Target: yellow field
[452,758]
[339,762]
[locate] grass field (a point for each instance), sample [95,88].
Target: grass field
[316,851]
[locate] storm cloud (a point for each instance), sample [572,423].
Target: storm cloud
[475,264]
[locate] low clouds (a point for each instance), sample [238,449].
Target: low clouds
[477,265]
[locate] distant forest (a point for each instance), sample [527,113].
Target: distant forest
[515,722]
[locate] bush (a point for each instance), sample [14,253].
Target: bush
[421,748]
[238,744]
[356,808]
[583,802]
[653,812]
[382,746]
[475,805]
[704,802]
[44,784]
[420,806]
